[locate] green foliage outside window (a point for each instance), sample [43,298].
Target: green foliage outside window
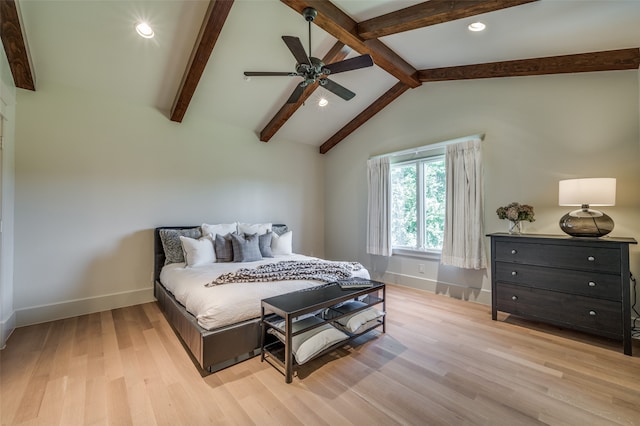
[404,205]
[434,203]
[406,229]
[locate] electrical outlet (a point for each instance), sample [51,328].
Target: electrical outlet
[421,268]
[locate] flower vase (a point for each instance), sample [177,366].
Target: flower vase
[515,227]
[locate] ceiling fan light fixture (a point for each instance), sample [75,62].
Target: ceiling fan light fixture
[312,70]
[144,30]
[323,102]
[477,26]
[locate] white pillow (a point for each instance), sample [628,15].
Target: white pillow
[198,252]
[357,322]
[222,229]
[282,244]
[306,345]
[254,228]
[362,320]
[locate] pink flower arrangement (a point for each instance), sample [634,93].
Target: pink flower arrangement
[516,212]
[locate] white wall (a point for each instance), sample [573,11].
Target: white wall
[538,130]
[95,176]
[7,111]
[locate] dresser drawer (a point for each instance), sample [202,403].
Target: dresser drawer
[597,316]
[592,284]
[584,258]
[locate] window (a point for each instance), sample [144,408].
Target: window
[412,193]
[418,197]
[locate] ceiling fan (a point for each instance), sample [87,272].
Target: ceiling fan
[312,69]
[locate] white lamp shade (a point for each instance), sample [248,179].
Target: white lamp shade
[592,191]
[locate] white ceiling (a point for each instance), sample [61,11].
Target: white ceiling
[91,45]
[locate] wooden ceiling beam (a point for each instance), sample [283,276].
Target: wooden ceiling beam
[341,26]
[384,100]
[363,37]
[337,53]
[430,12]
[15,46]
[611,60]
[214,20]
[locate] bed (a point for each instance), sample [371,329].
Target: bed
[217,335]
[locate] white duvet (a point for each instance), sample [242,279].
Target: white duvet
[227,304]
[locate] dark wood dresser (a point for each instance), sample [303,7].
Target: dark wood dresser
[577,283]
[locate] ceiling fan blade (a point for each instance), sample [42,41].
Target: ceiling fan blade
[295,46]
[358,62]
[339,90]
[269,74]
[295,95]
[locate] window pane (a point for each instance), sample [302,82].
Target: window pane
[403,205]
[434,202]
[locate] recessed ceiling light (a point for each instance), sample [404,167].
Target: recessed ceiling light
[323,102]
[477,26]
[144,30]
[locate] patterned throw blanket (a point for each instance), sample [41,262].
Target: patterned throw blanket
[291,270]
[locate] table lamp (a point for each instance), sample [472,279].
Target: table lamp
[587,222]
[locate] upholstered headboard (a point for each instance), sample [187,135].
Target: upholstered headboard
[158,250]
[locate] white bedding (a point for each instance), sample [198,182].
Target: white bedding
[228,304]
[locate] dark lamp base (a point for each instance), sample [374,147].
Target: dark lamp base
[586,223]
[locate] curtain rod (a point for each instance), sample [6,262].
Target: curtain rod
[430,147]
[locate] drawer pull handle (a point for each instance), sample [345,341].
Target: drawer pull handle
[514,297]
[592,284]
[514,251]
[592,313]
[514,273]
[591,258]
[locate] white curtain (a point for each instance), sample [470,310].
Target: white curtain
[463,244]
[379,208]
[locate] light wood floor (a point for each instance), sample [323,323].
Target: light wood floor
[442,361]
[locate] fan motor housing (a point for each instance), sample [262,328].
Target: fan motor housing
[312,72]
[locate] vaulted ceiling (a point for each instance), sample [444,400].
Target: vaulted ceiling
[193,68]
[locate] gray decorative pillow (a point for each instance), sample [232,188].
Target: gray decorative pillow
[280,229]
[264,242]
[223,248]
[171,244]
[246,247]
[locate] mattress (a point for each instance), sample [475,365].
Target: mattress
[226,304]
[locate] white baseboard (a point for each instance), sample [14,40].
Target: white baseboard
[456,291]
[6,328]
[74,308]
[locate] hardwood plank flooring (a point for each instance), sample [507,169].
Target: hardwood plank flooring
[442,362]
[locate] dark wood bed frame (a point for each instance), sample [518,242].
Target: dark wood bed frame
[212,350]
